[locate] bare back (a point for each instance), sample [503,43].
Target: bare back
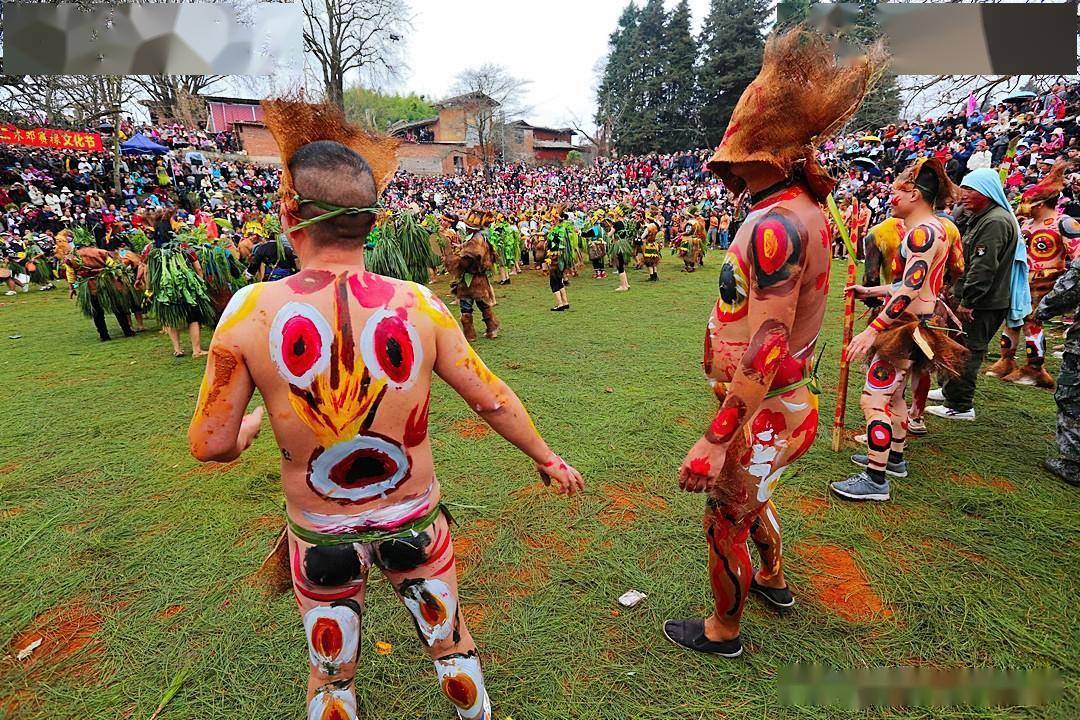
[344,362]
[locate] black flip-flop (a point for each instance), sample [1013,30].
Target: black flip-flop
[779,598]
[690,634]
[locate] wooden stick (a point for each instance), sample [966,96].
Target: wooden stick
[849,322]
[845,365]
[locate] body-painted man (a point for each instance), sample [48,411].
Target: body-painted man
[469,264]
[901,334]
[344,361]
[1048,235]
[885,266]
[762,332]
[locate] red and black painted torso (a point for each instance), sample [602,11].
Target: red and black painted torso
[773,237]
[1048,255]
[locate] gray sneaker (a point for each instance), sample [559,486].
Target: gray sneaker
[898,470]
[861,487]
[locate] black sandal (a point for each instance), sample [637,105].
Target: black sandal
[690,634]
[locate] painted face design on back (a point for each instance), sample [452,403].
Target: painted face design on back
[337,391]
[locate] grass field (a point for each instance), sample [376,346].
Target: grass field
[130,560]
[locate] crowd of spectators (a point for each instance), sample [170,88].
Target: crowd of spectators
[43,191]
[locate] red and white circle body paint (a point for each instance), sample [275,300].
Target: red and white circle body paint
[300,339]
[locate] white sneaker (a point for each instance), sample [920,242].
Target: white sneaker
[949,414]
[937,395]
[10,292]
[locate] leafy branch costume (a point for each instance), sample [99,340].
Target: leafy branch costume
[178,296]
[469,264]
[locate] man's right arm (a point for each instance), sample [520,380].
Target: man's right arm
[984,260]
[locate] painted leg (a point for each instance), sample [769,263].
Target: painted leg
[729,571]
[1006,366]
[1035,372]
[919,391]
[882,380]
[329,584]
[424,575]
[765,532]
[898,418]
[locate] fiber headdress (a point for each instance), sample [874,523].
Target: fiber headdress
[478,219]
[295,123]
[1049,188]
[928,175]
[801,96]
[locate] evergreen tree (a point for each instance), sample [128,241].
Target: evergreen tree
[732,42]
[619,95]
[679,113]
[647,134]
[882,103]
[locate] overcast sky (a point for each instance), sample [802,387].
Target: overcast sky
[555,44]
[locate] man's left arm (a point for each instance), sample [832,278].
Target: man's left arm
[219,429]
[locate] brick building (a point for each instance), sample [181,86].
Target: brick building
[244,118]
[448,143]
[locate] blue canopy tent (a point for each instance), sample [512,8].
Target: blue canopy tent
[139,144]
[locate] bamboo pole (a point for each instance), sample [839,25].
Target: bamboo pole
[849,326]
[845,365]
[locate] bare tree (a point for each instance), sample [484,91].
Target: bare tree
[494,97]
[98,97]
[931,93]
[173,93]
[354,37]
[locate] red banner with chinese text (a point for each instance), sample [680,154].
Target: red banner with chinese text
[50,138]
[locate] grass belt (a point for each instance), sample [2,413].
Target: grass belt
[810,380]
[411,528]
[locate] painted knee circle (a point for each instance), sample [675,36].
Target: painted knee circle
[333,635]
[433,607]
[462,681]
[332,703]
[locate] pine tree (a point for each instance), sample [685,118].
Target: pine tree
[647,134]
[732,42]
[619,96]
[882,104]
[679,113]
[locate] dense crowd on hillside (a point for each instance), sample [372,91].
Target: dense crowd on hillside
[44,191]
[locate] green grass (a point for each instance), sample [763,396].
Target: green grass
[101,506]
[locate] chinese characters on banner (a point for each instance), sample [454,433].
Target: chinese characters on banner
[50,138]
